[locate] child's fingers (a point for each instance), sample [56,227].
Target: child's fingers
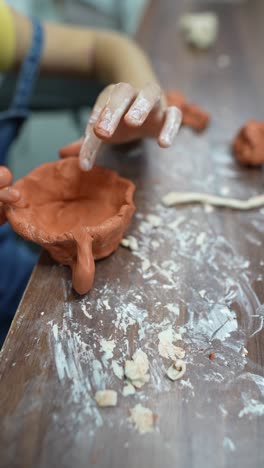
[9,195]
[89,149]
[170,127]
[91,143]
[117,104]
[5,177]
[145,102]
[72,149]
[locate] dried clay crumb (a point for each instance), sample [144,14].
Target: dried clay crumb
[199,29]
[136,370]
[128,389]
[143,418]
[244,352]
[145,265]
[106,398]
[176,370]
[175,224]
[154,220]
[166,347]
[107,347]
[118,370]
[130,242]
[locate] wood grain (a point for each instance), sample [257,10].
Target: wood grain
[52,361]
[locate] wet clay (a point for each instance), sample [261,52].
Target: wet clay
[77,216]
[248,145]
[192,115]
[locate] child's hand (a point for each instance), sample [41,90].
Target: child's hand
[7,194]
[122,114]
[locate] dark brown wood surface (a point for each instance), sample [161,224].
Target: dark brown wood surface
[205,279]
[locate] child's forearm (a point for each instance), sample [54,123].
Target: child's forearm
[107,55]
[122,60]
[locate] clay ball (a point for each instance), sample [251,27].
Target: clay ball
[248,145]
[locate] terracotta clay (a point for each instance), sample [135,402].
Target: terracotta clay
[192,116]
[248,145]
[77,216]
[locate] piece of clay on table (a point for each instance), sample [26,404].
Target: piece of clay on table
[77,216]
[200,29]
[248,145]
[106,398]
[192,115]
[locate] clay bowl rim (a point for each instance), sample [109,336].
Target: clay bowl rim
[41,237]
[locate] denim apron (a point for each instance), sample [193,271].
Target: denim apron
[16,259]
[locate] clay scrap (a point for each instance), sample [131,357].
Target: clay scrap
[192,115]
[77,216]
[106,398]
[143,418]
[183,198]
[128,389]
[167,348]
[176,370]
[200,29]
[130,242]
[136,369]
[154,220]
[248,145]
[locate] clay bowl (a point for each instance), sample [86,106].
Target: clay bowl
[77,216]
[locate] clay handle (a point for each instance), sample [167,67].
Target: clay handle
[84,267]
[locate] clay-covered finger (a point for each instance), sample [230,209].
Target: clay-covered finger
[145,102]
[5,177]
[89,149]
[91,143]
[116,106]
[71,150]
[9,195]
[172,123]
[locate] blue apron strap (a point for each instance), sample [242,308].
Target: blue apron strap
[29,70]
[12,120]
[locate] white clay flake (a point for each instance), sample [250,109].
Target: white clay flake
[143,418]
[130,242]
[154,220]
[176,370]
[166,347]
[199,29]
[106,398]
[136,370]
[128,389]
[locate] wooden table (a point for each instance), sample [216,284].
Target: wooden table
[205,281]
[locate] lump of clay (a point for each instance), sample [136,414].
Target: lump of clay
[136,370]
[143,418]
[192,115]
[176,370]
[129,389]
[106,398]
[166,346]
[248,145]
[199,29]
[77,216]
[130,242]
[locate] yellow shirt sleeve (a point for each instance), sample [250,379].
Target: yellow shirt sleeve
[7,37]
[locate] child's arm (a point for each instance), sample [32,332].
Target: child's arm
[132,106]
[76,51]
